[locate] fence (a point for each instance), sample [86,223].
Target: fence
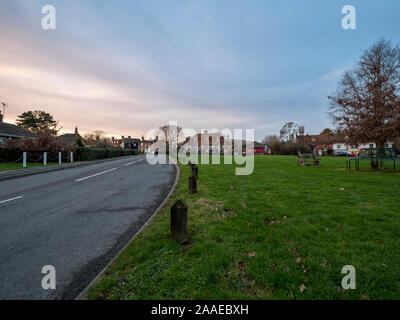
[81,154]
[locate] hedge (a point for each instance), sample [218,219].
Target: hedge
[10,155]
[87,153]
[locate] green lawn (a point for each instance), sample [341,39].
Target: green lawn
[17,166]
[265,235]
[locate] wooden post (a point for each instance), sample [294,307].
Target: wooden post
[195,171]
[179,221]
[192,185]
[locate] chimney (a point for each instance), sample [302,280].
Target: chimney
[129,137]
[156,138]
[122,137]
[142,138]
[112,138]
[1,117]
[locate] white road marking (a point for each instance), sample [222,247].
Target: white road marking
[97,174]
[16,198]
[128,164]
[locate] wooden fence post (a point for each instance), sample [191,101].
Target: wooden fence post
[179,221]
[192,185]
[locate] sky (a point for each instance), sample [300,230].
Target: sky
[126,67]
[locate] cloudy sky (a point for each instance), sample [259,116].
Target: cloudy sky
[128,66]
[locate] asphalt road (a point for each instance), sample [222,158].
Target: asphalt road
[75,220]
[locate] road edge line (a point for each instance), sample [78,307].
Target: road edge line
[84,293]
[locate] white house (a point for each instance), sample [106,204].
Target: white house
[343,147]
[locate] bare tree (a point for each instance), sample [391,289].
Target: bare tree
[366,105]
[289,131]
[274,143]
[171,133]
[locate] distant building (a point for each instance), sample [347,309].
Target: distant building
[144,145]
[326,143]
[12,131]
[205,143]
[69,139]
[258,148]
[129,143]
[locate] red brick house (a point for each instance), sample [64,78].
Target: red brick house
[321,143]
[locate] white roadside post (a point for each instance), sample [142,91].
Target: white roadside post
[24,160]
[72,157]
[59,158]
[44,158]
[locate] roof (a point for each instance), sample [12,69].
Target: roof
[68,137]
[130,140]
[14,131]
[259,145]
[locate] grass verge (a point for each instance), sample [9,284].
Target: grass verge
[18,166]
[284,232]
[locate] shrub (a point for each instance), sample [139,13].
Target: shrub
[289,148]
[10,155]
[88,153]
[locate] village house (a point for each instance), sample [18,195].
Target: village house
[216,143]
[10,131]
[69,139]
[144,145]
[329,143]
[129,143]
[205,143]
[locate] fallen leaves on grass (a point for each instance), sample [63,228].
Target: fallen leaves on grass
[364,297]
[272,221]
[251,254]
[241,265]
[298,259]
[341,189]
[302,288]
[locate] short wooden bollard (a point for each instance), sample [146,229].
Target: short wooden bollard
[192,185]
[179,221]
[195,171]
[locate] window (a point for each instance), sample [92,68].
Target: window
[371,145]
[386,145]
[338,146]
[313,139]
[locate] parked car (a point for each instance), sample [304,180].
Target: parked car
[342,154]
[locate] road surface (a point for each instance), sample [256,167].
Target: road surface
[75,220]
